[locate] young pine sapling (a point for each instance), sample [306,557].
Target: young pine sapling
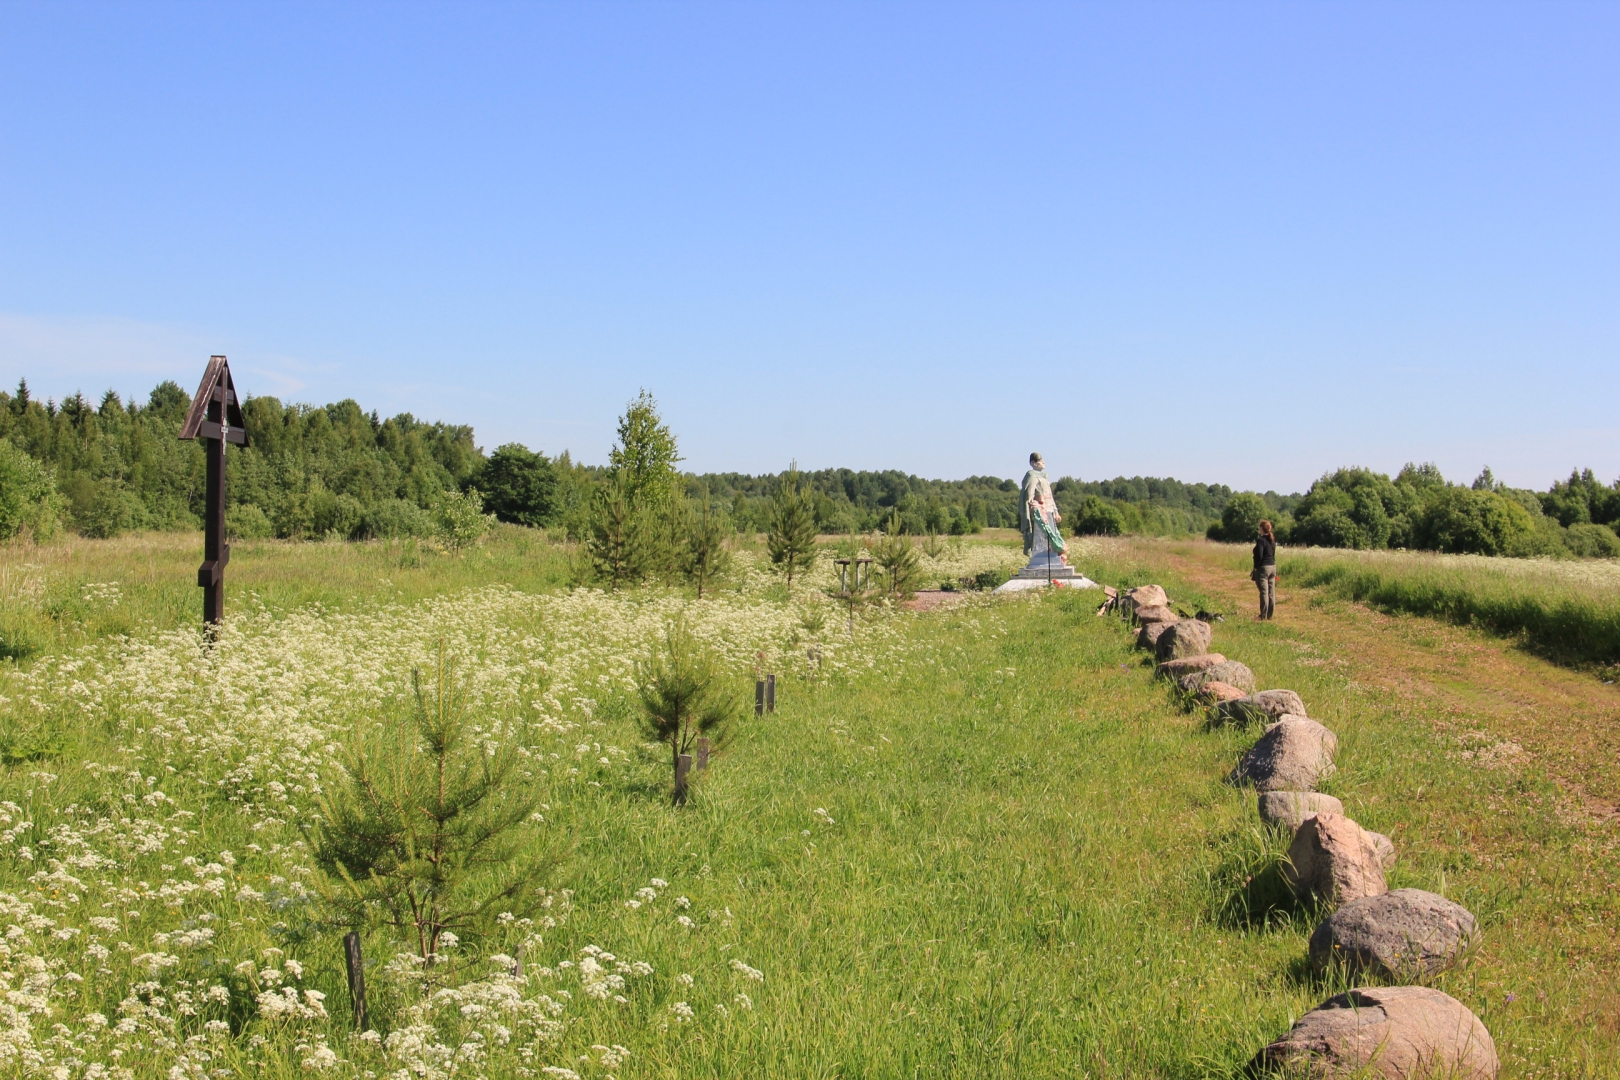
[683,697]
[426,828]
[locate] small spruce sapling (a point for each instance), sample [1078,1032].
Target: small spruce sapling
[683,697]
[425,828]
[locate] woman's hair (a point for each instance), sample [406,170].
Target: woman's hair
[1265,530]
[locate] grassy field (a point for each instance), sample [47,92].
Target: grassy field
[978,842]
[1567,610]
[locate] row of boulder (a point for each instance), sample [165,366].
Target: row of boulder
[1401,935]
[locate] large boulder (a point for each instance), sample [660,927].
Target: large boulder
[1144,596]
[1289,809]
[1262,708]
[1148,637]
[1294,754]
[1189,637]
[1333,859]
[1230,672]
[1213,693]
[1394,1032]
[1156,613]
[1405,934]
[1175,669]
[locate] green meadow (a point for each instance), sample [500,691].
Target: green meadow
[977,841]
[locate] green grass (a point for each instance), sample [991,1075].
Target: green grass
[1568,611]
[1028,864]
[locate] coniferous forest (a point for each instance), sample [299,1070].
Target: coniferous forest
[338,471]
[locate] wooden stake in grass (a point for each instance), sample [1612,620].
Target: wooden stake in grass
[357,978]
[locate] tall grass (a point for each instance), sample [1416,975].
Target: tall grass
[1567,611]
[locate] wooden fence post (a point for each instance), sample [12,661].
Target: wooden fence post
[770,693]
[683,766]
[759,697]
[357,977]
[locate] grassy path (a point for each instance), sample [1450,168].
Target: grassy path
[1017,880]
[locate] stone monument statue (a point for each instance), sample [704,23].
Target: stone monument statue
[1038,518]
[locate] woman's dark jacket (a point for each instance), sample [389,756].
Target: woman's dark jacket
[1265,552]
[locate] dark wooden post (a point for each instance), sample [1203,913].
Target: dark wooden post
[683,768]
[357,978]
[770,693]
[216,419]
[759,697]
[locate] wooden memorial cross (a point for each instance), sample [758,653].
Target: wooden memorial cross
[216,419]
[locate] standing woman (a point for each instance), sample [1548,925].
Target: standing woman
[1265,569]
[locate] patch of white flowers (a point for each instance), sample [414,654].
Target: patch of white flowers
[133,945]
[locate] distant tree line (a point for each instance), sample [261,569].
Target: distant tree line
[339,471]
[1419,509]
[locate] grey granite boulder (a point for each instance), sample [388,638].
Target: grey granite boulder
[1144,596]
[1289,809]
[1261,708]
[1391,1032]
[1156,613]
[1294,754]
[1189,637]
[1213,693]
[1333,859]
[1403,934]
[1148,637]
[1230,672]
[1187,665]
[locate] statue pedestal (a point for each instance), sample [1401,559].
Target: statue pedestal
[1046,566]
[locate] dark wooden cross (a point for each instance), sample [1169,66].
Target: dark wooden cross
[216,419]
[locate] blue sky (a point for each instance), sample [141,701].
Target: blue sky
[1226,242]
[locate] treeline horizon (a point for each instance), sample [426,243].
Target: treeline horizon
[339,471]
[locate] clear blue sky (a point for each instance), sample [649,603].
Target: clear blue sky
[1221,241]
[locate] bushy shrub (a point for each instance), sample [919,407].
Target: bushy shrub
[520,486]
[111,510]
[461,519]
[28,497]
[1098,517]
[392,519]
[337,515]
[1593,541]
[1461,521]
[248,522]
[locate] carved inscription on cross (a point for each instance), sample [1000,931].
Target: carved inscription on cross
[216,419]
